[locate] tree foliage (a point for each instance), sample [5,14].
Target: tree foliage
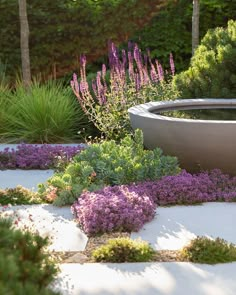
[170,30]
[62,30]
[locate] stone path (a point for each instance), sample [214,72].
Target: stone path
[55,222]
[171,229]
[27,178]
[147,279]
[174,227]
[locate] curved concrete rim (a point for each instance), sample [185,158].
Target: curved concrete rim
[146,110]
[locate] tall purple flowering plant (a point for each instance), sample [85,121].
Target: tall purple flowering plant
[133,79]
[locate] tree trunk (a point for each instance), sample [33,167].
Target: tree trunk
[195,25]
[24,43]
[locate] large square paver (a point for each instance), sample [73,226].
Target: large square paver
[55,222]
[26,178]
[174,278]
[173,227]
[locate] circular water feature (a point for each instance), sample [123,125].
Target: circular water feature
[198,144]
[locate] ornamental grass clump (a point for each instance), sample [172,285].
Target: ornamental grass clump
[46,113]
[25,266]
[5,95]
[124,250]
[133,79]
[113,209]
[205,250]
[44,156]
[109,163]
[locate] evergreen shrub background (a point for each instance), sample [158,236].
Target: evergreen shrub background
[212,71]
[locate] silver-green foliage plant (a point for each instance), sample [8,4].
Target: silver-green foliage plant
[124,250]
[109,163]
[45,113]
[205,250]
[212,70]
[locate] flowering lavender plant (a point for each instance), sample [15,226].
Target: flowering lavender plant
[45,156]
[134,79]
[128,207]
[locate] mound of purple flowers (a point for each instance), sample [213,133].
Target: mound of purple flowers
[186,188]
[114,208]
[45,156]
[128,207]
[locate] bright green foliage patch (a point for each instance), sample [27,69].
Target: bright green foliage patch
[109,163]
[205,250]
[124,250]
[25,268]
[212,70]
[18,196]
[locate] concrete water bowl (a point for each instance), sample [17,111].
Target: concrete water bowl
[198,144]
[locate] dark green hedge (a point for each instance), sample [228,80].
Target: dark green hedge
[171,29]
[61,30]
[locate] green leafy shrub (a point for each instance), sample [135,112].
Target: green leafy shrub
[124,250]
[109,163]
[25,267]
[43,114]
[18,196]
[212,70]
[205,250]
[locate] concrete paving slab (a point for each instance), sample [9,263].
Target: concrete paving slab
[173,227]
[175,278]
[26,178]
[48,220]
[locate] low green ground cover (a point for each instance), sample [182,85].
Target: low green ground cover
[19,196]
[209,251]
[199,250]
[124,250]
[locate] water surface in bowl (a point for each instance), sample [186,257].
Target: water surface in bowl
[227,114]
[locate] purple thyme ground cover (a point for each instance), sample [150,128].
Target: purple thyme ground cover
[128,207]
[45,156]
[114,208]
